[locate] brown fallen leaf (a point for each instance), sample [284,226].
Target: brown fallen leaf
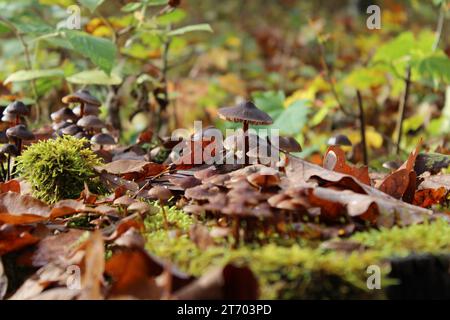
[335,160]
[13,238]
[133,273]
[132,169]
[425,198]
[401,184]
[435,182]
[93,268]
[56,248]
[11,185]
[389,210]
[19,209]
[229,283]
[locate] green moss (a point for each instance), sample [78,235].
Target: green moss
[57,169]
[299,270]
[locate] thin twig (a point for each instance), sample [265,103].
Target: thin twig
[27,61]
[362,126]
[402,108]
[440,25]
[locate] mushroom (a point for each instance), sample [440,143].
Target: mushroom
[90,123]
[63,114]
[89,110]
[10,150]
[123,202]
[339,140]
[289,144]
[162,195]
[103,139]
[71,130]
[3,137]
[392,165]
[83,97]
[247,113]
[19,133]
[18,109]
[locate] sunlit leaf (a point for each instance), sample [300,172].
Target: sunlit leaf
[26,75]
[95,77]
[196,27]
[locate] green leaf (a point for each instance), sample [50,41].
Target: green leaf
[191,28]
[132,6]
[435,66]
[152,3]
[26,75]
[292,120]
[31,24]
[271,102]
[91,4]
[95,77]
[102,52]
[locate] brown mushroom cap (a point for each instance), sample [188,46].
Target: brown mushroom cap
[71,130]
[159,193]
[10,149]
[60,125]
[82,134]
[20,132]
[124,201]
[81,96]
[63,114]
[289,144]
[90,122]
[103,139]
[89,110]
[339,140]
[245,112]
[17,108]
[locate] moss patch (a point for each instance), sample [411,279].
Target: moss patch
[300,270]
[57,169]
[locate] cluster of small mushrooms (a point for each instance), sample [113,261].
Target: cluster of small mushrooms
[13,136]
[82,121]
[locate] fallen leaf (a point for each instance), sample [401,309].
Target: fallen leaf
[11,185]
[13,238]
[229,283]
[94,265]
[340,165]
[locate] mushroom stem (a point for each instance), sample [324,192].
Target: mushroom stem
[166,222]
[2,168]
[8,175]
[17,119]
[81,109]
[236,224]
[19,145]
[245,129]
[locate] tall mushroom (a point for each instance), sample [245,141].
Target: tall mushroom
[18,109]
[10,150]
[247,113]
[63,114]
[162,195]
[82,97]
[19,133]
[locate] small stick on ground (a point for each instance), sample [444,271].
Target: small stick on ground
[362,126]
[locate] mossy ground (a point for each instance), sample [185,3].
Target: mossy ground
[299,270]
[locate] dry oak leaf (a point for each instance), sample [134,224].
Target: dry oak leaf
[133,273]
[390,210]
[93,267]
[132,169]
[401,184]
[435,182]
[13,238]
[11,185]
[335,160]
[425,198]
